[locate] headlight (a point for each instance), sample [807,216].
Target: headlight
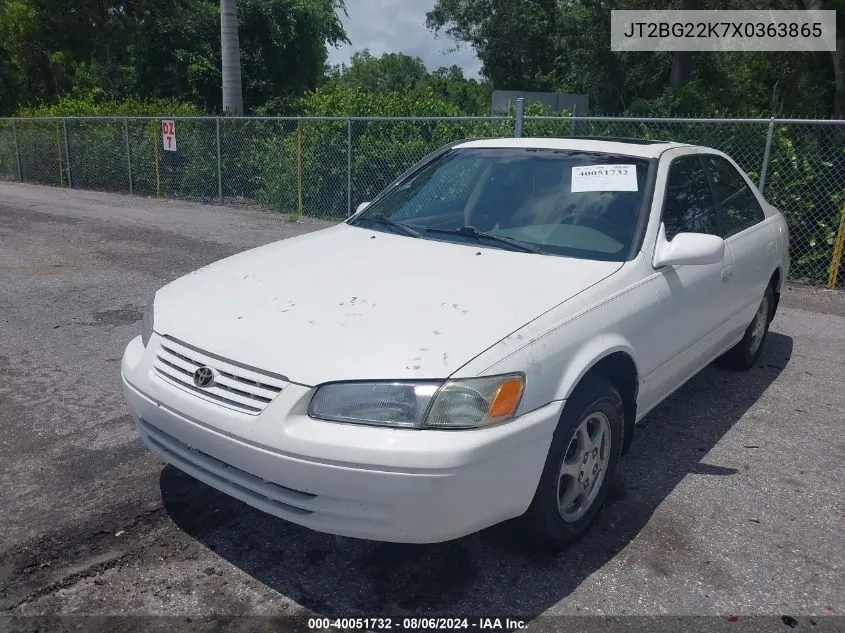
[383,403]
[454,404]
[147,321]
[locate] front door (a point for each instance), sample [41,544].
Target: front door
[689,328]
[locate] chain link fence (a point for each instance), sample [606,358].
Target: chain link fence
[325,167]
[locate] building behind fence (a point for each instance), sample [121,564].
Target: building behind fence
[324,167]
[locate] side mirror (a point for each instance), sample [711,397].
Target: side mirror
[688,249]
[361,207]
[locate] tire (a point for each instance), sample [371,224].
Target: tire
[555,518]
[744,355]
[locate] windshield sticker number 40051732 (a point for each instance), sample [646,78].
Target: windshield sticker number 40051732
[604,178]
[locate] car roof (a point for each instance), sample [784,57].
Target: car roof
[609,145]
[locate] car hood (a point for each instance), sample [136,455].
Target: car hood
[350,303]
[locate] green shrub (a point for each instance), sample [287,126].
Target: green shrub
[806,182]
[8,160]
[66,107]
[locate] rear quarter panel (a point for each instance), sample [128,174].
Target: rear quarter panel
[782,259]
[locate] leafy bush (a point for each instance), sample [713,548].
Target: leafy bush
[335,100]
[807,183]
[259,162]
[8,160]
[66,107]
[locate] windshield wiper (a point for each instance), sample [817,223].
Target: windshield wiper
[380,218]
[471,231]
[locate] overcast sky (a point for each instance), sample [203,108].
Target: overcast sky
[398,26]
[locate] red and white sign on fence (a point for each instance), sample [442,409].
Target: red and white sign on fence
[168,135]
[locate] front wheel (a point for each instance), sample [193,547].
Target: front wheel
[580,465]
[744,355]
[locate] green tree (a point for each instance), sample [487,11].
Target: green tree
[471,96]
[392,72]
[399,73]
[515,41]
[548,45]
[283,46]
[837,57]
[160,49]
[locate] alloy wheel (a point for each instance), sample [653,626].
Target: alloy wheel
[584,466]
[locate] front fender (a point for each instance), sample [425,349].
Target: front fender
[590,354]
[556,362]
[556,350]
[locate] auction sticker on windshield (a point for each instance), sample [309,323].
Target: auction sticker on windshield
[604,178]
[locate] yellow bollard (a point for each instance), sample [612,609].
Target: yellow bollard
[836,260]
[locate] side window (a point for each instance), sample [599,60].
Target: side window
[738,202]
[688,206]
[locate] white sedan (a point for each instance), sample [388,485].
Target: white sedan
[474,345]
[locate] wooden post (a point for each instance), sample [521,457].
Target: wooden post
[838,244]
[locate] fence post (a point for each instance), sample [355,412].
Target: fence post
[17,151]
[128,152]
[155,154]
[766,156]
[299,167]
[520,115]
[67,154]
[348,167]
[59,156]
[219,170]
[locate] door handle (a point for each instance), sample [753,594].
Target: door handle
[727,273]
[770,247]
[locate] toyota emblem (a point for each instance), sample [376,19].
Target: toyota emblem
[204,377]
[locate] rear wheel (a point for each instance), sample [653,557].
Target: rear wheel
[744,355]
[579,467]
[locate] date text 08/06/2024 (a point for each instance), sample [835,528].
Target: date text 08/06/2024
[415,624]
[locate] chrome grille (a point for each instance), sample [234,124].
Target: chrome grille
[235,387]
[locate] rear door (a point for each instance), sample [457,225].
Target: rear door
[750,238]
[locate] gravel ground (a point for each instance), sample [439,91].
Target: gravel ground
[730,502]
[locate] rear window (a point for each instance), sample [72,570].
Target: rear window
[739,204]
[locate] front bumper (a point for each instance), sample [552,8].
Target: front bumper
[400,485]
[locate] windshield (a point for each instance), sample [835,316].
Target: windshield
[560,202]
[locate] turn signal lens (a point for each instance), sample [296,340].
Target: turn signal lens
[468,403]
[506,399]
